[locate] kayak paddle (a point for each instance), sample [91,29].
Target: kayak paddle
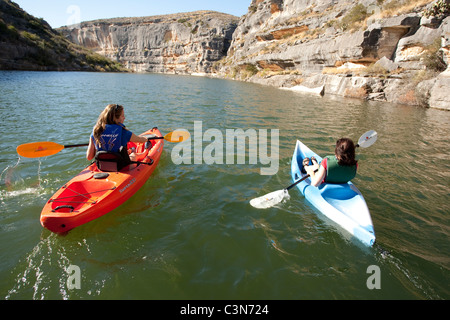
[174,136]
[48,148]
[367,139]
[43,149]
[273,198]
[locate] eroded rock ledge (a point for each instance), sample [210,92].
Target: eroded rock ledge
[391,50]
[177,43]
[388,52]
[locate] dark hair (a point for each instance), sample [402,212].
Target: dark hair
[345,152]
[108,116]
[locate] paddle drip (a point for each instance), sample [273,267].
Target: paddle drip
[8,171]
[39,174]
[15,184]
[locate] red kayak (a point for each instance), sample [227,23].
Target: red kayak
[93,193]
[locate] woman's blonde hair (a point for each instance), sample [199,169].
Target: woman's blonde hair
[108,116]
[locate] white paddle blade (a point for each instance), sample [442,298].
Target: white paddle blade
[270,199]
[368,139]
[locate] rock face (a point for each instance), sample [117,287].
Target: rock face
[385,50]
[177,43]
[351,48]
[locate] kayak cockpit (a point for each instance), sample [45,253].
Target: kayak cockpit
[337,191]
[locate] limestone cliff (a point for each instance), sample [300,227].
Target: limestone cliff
[387,50]
[384,50]
[178,43]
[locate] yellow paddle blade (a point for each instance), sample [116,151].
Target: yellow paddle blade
[39,149]
[177,136]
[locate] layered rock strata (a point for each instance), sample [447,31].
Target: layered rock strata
[178,43]
[387,52]
[384,50]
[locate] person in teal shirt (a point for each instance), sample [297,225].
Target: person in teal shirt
[339,168]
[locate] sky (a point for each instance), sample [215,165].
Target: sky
[66,12]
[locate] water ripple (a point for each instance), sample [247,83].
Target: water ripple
[190,232]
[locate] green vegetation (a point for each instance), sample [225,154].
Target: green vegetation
[440,8]
[397,7]
[253,8]
[42,48]
[101,63]
[251,69]
[354,17]
[433,59]
[185,21]
[375,70]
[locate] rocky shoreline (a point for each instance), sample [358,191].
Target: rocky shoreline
[384,56]
[387,51]
[395,51]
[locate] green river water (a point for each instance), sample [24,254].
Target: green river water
[190,232]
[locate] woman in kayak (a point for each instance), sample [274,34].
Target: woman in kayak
[110,134]
[339,168]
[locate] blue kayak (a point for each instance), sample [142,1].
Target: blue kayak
[341,203]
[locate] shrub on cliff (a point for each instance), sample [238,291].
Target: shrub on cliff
[354,17]
[41,47]
[440,8]
[433,58]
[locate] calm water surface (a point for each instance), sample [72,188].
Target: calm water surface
[190,232]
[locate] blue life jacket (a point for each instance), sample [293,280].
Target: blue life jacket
[112,154]
[113,138]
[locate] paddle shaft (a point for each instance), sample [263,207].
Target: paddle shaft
[76,145]
[296,183]
[86,144]
[140,162]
